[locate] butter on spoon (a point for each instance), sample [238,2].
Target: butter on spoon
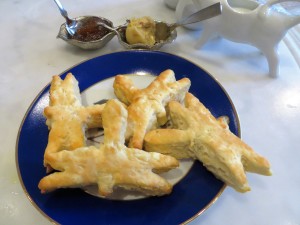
[145,33]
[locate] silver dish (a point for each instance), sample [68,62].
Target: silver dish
[165,32]
[119,31]
[122,39]
[88,45]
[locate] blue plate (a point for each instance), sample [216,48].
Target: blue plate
[190,197]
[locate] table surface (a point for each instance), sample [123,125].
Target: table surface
[268,109]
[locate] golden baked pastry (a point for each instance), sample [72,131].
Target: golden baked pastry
[198,134]
[67,119]
[113,164]
[141,31]
[146,107]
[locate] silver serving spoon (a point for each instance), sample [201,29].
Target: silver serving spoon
[163,30]
[71,25]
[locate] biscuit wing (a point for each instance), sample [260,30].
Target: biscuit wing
[124,89]
[64,92]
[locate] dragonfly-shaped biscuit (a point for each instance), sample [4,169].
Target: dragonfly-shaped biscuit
[67,119]
[112,164]
[198,134]
[146,107]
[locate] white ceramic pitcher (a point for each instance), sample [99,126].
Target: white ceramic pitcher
[244,21]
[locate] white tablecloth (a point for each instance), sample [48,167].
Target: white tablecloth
[269,109]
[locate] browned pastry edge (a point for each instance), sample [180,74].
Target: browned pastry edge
[66,118]
[113,164]
[199,135]
[146,108]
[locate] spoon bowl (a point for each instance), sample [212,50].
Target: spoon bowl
[71,24]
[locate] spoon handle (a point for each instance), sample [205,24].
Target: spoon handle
[203,14]
[63,12]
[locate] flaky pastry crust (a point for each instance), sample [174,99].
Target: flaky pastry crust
[113,164]
[146,107]
[66,118]
[198,134]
